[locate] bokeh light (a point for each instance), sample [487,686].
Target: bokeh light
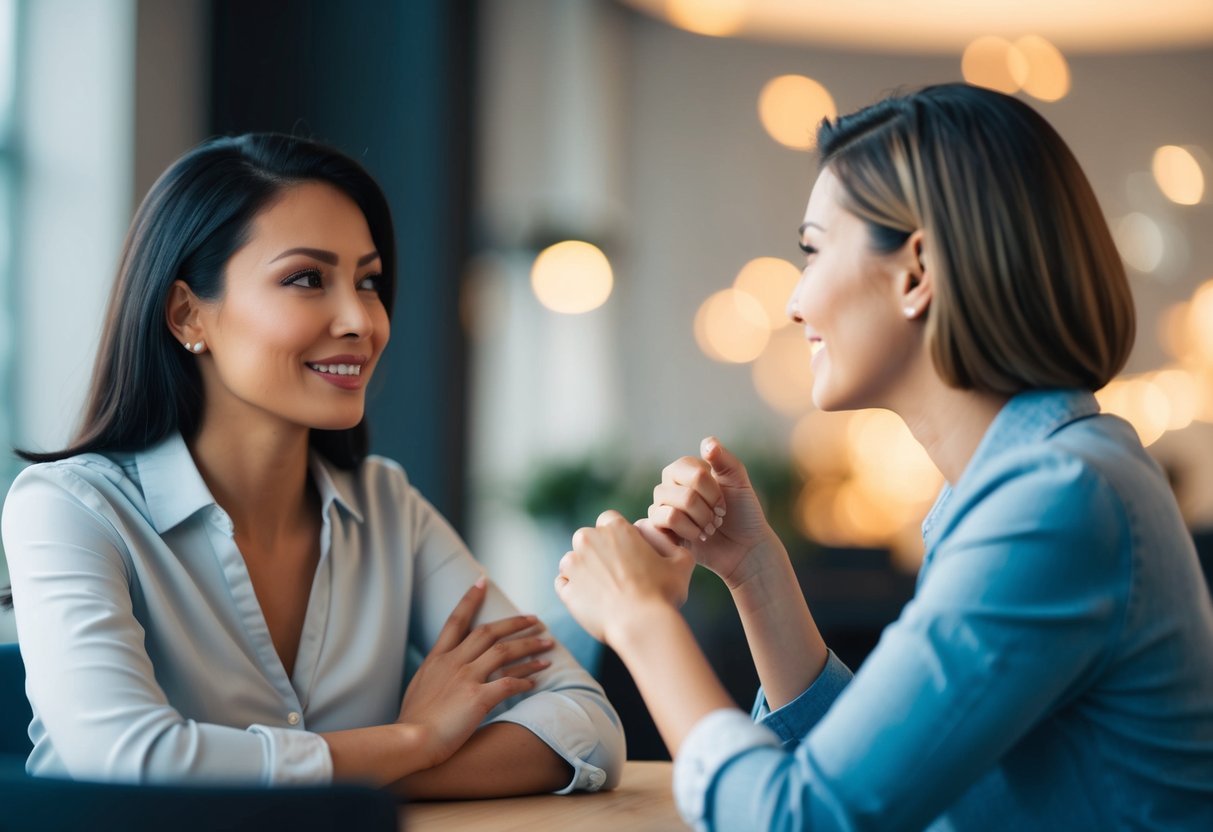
[731,326]
[1039,68]
[1200,324]
[782,374]
[1178,175]
[770,281]
[717,18]
[1140,241]
[790,108]
[994,63]
[572,277]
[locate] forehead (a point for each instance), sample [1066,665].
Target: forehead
[312,213]
[824,204]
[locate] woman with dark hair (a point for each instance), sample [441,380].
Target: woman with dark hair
[215,582]
[1053,668]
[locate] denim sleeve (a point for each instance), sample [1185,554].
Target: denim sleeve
[792,722]
[1021,601]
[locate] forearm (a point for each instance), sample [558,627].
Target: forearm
[499,760]
[670,670]
[378,755]
[789,652]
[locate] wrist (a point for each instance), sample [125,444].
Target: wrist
[624,632]
[760,562]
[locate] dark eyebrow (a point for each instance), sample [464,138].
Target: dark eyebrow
[810,224]
[325,256]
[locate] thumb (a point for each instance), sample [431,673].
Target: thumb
[665,542]
[728,469]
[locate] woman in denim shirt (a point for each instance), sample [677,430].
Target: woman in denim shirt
[1055,667]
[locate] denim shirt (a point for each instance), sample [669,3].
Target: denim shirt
[1054,669]
[148,658]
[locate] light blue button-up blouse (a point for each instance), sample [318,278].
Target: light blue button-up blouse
[1054,670]
[148,658]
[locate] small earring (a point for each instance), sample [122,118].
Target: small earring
[910,312]
[198,347]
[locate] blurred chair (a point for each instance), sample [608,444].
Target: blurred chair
[38,803]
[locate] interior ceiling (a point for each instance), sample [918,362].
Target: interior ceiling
[935,26]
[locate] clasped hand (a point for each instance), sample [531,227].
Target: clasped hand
[469,672]
[704,510]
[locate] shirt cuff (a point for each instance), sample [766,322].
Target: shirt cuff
[793,721]
[295,757]
[712,742]
[561,723]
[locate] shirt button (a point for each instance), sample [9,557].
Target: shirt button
[292,718]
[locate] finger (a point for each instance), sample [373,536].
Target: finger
[460,620]
[728,468]
[521,670]
[486,635]
[675,521]
[697,474]
[665,542]
[497,691]
[505,653]
[685,470]
[609,516]
[695,504]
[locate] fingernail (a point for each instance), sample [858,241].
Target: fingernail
[719,511]
[703,537]
[546,642]
[482,582]
[719,521]
[532,618]
[709,530]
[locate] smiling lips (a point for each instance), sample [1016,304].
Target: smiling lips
[815,343]
[344,371]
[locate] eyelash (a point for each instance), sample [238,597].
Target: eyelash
[808,250]
[294,278]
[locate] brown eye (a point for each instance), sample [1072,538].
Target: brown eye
[306,279]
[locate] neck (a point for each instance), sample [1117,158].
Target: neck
[258,473]
[949,423]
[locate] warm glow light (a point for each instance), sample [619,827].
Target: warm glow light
[781,374]
[1178,175]
[731,326]
[707,17]
[1040,68]
[885,454]
[770,281]
[819,445]
[994,63]
[790,108]
[572,277]
[1140,242]
[1173,332]
[1200,323]
[1140,402]
[1183,396]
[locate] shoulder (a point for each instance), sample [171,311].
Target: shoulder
[93,479]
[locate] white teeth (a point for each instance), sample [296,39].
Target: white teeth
[338,369]
[815,346]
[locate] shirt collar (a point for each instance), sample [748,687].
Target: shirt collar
[174,490]
[1028,417]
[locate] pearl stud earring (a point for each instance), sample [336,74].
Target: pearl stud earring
[194,348]
[910,312]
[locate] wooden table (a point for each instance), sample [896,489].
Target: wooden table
[643,802]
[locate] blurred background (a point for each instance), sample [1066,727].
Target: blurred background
[596,205]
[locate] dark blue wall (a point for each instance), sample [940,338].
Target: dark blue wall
[389,82]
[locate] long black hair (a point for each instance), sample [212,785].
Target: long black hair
[197,215]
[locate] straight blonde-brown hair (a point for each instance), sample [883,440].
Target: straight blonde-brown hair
[1029,289]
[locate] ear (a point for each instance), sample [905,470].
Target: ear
[913,278]
[181,314]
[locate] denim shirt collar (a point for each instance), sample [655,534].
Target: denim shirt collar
[173,488]
[1028,417]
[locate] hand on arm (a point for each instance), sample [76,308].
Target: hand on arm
[709,504]
[467,674]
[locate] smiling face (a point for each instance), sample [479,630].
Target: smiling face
[300,326]
[852,303]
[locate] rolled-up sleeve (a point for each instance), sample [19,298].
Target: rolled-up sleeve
[88,675]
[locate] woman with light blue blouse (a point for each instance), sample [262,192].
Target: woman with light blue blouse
[215,582]
[1054,669]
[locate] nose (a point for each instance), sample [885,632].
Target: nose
[351,319]
[793,307]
